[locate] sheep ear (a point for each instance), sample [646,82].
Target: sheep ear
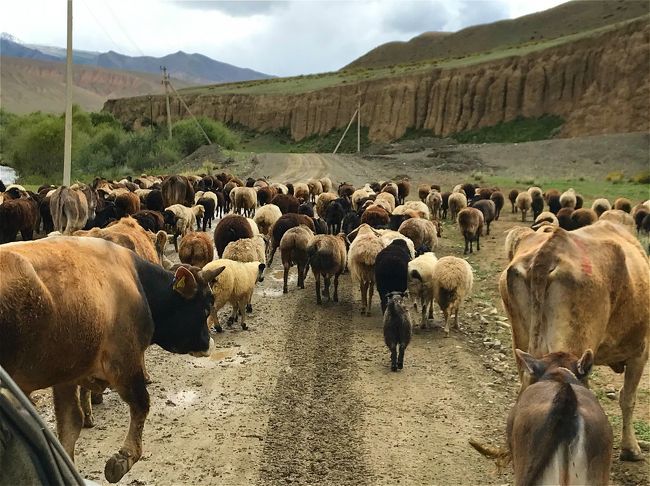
[184,283]
[534,367]
[585,364]
[209,275]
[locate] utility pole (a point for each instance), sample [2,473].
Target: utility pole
[165,81]
[182,101]
[151,112]
[67,141]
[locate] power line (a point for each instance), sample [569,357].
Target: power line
[119,24]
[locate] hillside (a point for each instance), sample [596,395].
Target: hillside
[566,19]
[32,85]
[192,68]
[597,82]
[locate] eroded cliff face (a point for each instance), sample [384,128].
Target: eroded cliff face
[599,85]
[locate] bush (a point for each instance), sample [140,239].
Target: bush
[615,177]
[188,137]
[642,177]
[515,131]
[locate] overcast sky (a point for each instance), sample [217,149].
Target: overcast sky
[282,38]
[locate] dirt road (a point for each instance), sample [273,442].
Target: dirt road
[306,395]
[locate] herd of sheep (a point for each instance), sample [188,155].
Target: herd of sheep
[372,232]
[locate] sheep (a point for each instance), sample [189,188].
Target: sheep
[564,218]
[154,201]
[196,249]
[623,204]
[334,215]
[322,202]
[600,206]
[345,189]
[444,206]
[524,202]
[568,199]
[320,226]
[388,236]
[284,223]
[537,205]
[253,225]
[469,190]
[293,249]
[376,216]
[382,203]
[419,207]
[281,188]
[350,222]
[433,201]
[361,261]
[358,196]
[452,284]
[150,220]
[306,208]
[397,327]
[515,236]
[391,270]
[326,182]
[246,250]
[233,286]
[579,201]
[208,204]
[470,225]
[286,203]
[391,188]
[301,191]
[512,197]
[388,198]
[327,257]
[533,191]
[488,208]
[620,217]
[552,198]
[231,228]
[422,232]
[639,213]
[403,190]
[499,200]
[266,216]
[315,188]
[182,219]
[420,283]
[457,201]
[583,217]
[546,217]
[244,200]
[265,195]
[423,191]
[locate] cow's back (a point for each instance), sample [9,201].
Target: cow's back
[61,300]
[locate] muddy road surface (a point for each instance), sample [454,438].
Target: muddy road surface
[306,395]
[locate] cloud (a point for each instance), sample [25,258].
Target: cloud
[234,7]
[411,16]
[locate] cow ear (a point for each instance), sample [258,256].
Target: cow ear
[585,363]
[534,367]
[209,275]
[184,283]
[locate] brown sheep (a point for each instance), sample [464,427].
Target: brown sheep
[564,218]
[322,202]
[327,257]
[196,249]
[623,204]
[512,197]
[552,198]
[422,232]
[265,195]
[18,215]
[177,189]
[301,191]
[376,216]
[524,202]
[423,191]
[293,249]
[127,204]
[499,200]
[231,228]
[488,208]
[470,224]
[583,217]
[282,225]
[286,203]
[346,190]
[403,190]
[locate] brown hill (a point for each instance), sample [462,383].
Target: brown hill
[568,18]
[29,85]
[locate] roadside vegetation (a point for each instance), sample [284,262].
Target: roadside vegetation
[33,145]
[514,131]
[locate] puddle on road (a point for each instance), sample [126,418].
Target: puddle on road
[222,354]
[183,397]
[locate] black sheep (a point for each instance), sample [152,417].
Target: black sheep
[208,215]
[334,216]
[391,270]
[397,327]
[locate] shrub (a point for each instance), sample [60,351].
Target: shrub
[642,177]
[615,177]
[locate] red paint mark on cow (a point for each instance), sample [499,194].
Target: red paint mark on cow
[585,262]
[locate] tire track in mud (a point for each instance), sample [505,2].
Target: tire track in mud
[314,433]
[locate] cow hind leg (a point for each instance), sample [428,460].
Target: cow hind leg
[400,357]
[393,357]
[69,415]
[371,290]
[630,450]
[86,407]
[363,286]
[134,393]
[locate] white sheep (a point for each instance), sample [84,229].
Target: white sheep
[535,191]
[388,198]
[601,205]
[244,200]
[452,283]
[233,286]
[281,188]
[545,217]
[301,191]
[247,250]
[568,199]
[388,236]
[326,182]
[253,225]
[359,195]
[433,202]
[524,202]
[361,262]
[457,201]
[419,207]
[420,283]
[266,216]
[421,232]
[185,219]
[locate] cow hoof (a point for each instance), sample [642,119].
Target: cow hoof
[249,308]
[96,398]
[630,455]
[216,329]
[89,422]
[147,379]
[117,466]
[244,327]
[393,368]
[285,291]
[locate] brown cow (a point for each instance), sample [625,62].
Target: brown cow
[85,322]
[18,215]
[177,190]
[584,289]
[127,204]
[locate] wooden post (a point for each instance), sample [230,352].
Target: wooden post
[169,116]
[358,125]
[67,140]
[345,132]
[181,100]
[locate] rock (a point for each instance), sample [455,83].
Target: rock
[482,320]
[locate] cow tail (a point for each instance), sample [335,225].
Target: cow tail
[558,430]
